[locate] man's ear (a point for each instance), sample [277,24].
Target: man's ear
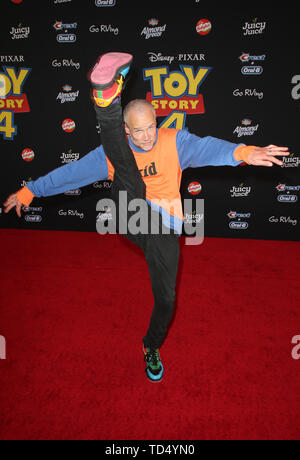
[126,129]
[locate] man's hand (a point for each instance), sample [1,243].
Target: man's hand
[266,156]
[11,202]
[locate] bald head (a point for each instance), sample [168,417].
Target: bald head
[138,106]
[140,123]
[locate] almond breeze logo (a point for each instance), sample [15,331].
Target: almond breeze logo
[105,3]
[154,30]
[68,95]
[246,128]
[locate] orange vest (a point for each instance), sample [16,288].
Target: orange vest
[161,172]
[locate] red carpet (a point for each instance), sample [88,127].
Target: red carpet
[73,310]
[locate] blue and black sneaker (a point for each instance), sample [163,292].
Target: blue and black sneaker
[155,368]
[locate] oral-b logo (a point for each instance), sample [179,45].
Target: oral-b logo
[287,198]
[104,3]
[252,70]
[66,38]
[34,219]
[76,192]
[239,225]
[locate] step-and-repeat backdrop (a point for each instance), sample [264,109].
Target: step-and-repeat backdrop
[229,71]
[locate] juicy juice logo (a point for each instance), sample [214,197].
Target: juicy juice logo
[12,99]
[176,94]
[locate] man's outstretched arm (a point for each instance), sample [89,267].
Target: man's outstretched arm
[91,168]
[195,152]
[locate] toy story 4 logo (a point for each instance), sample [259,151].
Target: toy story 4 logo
[175,94]
[12,99]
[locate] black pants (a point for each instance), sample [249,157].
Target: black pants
[161,250]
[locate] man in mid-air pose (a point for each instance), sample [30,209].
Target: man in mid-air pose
[148,166]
